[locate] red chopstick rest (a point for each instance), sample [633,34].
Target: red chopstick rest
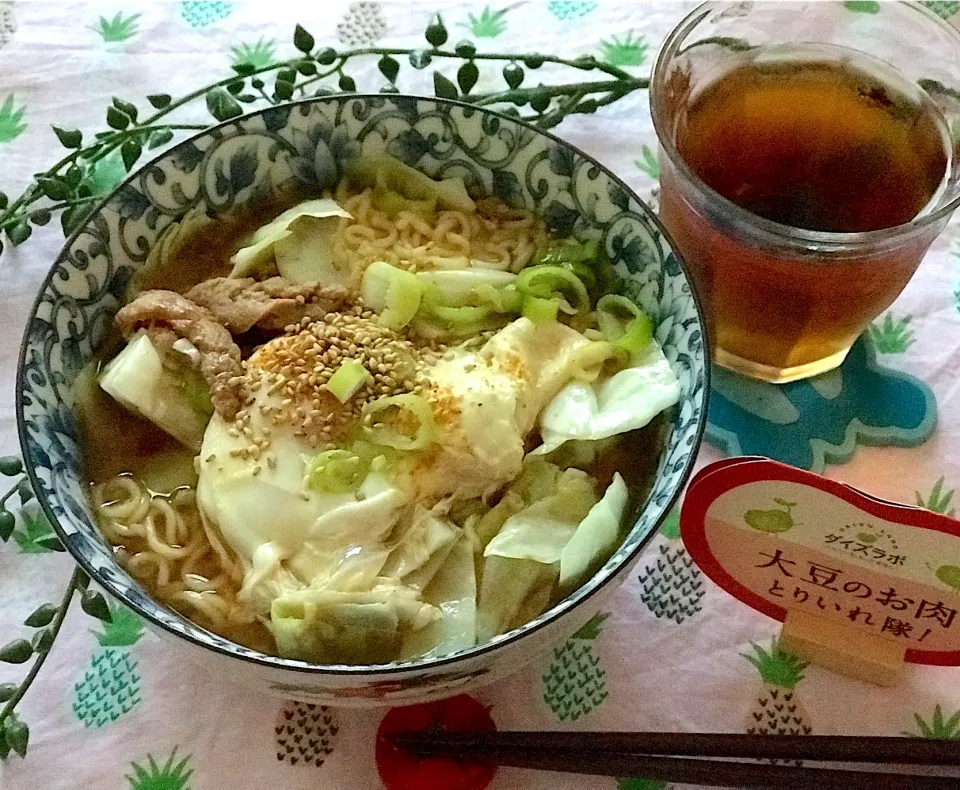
[401,769]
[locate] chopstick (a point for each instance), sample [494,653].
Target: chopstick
[637,754]
[715,773]
[826,748]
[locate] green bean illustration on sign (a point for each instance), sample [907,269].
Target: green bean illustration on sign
[773,520]
[950,576]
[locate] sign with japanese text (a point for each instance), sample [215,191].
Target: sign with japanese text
[781,539]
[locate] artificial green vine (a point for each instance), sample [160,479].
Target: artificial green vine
[75,183]
[45,621]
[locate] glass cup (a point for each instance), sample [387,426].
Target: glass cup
[784,302]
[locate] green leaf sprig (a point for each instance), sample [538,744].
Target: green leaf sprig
[45,621]
[95,163]
[36,528]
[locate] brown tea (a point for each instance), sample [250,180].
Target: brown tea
[820,144]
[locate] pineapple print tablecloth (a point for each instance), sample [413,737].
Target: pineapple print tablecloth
[111,711]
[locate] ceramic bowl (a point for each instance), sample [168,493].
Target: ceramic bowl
[244,161]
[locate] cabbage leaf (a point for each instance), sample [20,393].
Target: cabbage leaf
[426,535]
[384,173]
[422,576]
[537,600]
[623,402]
[331,626]
[138,380]
[493,520]
[307,229]
[453,591]
[540,357]
[596,537]
[506,584]
[314,532]
[168,470]
[541,530]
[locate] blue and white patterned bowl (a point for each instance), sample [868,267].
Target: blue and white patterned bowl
[243,161]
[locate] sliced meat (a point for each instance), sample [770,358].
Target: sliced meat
[166,312]
[163,338]
[271,305]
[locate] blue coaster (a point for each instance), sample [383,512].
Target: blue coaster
[820,421]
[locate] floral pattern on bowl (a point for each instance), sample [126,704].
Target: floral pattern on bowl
[308,144]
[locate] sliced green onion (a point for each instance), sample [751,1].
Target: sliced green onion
[490,295]
[403,301]
[433,329]
[392,203]
[547,282]
[617,307]
[568,252]
[336,472]
[452,317]
[512,300]
[438,320]
[393,293]
[540,311]
[197,390]
[590,333]
[348,378]
[585,272]
[376,282]
[638,335]
[460,287]
[404,422]
[587,361]
[459,316]
[566,308]
[372,454]
[503,300]
[623,323]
